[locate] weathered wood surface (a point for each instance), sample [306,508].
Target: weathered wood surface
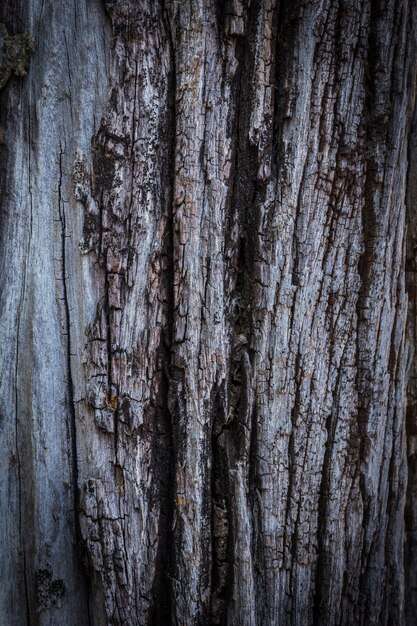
[410,546]
[205,354]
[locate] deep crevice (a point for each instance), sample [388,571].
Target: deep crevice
[232,444]
[164,449]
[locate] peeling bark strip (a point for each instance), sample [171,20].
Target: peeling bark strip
[208,313]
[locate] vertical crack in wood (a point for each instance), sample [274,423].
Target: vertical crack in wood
[163,599]
[70,381]
[21,500]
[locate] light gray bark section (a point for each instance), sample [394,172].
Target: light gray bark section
[46,117]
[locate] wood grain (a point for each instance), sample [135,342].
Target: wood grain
[207,314]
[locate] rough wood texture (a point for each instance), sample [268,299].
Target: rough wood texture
[45,118]
[206,352]
[410,547]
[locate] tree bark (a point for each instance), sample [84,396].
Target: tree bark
[208,302]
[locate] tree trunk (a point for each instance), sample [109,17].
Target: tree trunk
[207,363]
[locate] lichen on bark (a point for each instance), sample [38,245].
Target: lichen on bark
[15,51]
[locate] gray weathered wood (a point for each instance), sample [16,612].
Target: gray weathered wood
[207,313]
